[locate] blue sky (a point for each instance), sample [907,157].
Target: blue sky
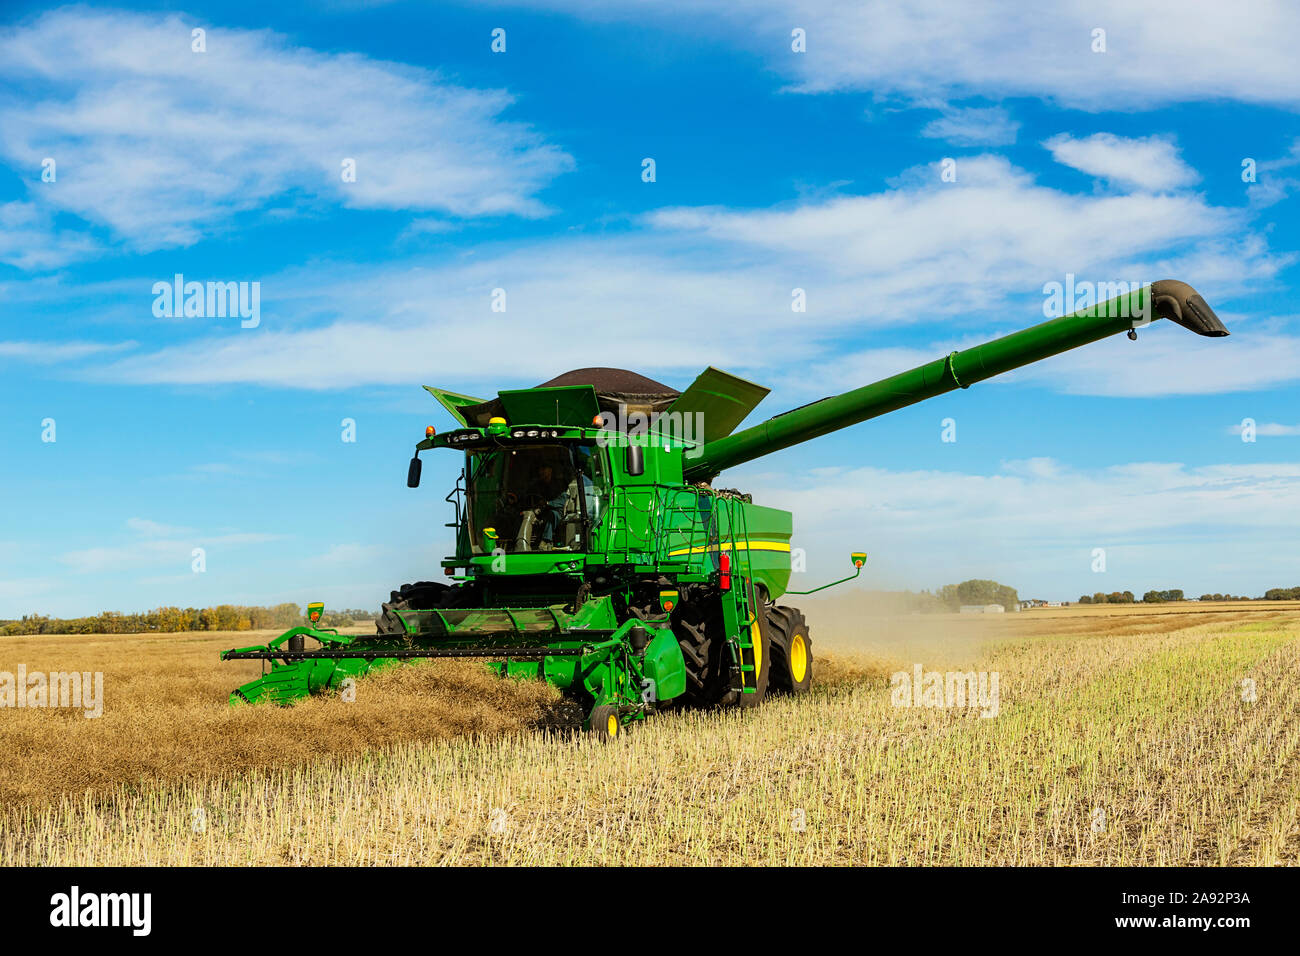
[522,170]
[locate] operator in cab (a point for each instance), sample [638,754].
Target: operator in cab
[551,488]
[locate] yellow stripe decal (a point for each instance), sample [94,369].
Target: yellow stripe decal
[738,546]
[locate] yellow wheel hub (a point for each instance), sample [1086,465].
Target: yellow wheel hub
[611,725]
[756,638]
[798,658]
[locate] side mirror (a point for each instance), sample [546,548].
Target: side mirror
[859,559]
[635,460]
[413,473]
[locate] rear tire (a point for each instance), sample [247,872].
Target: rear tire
[791,644]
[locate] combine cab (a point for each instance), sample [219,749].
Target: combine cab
[594,552]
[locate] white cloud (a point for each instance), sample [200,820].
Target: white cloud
[147,553]
[1167,360]
[1034,524]
[577,298]
[16,592]
[350,557]
[29,239]
[696,275]
[155,552]
[427,227]
[973,126]
[1269,430]
[162,145]
[54,352]
[1272,185]
[1151,164]
[1158,52]
[1001,233]
[154,529]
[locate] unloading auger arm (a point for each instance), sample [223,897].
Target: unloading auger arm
[1166,299]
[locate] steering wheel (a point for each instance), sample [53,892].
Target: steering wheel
[510,502]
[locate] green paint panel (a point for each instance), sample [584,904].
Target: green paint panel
[453,402]
[562,405]
[665,665]
[722,401]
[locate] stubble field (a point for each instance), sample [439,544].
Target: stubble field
[1150,736]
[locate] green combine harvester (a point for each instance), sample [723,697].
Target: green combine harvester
[594,551]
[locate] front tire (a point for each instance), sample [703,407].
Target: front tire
[700,633]
[604,724]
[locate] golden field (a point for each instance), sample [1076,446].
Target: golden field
[1122,737]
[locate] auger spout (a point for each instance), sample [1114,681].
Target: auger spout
[1168,299]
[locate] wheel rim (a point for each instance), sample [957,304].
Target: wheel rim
[611,725]
[756,638]
[798,658]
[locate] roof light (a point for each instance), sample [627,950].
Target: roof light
[429,431]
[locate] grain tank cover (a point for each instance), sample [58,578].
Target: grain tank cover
[607,388]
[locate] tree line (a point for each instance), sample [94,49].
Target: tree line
[1176,594]
[950,597]
[223,617]
[978,591]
